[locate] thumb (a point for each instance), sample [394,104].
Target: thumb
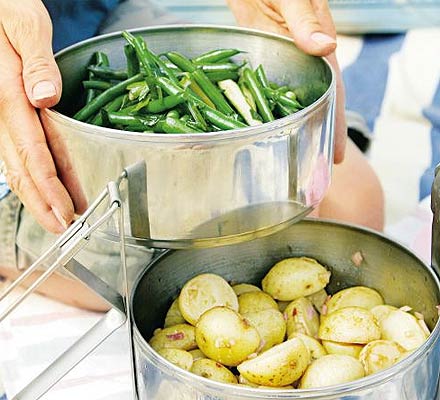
[32,40]
[306,28]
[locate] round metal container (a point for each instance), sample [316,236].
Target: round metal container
[203,189]
[395,272]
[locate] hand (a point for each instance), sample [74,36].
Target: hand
[29,79]
[310,24]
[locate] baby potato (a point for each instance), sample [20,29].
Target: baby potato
[270,325]
[293,278]
[380,312]
[379,354]
[315,348]
[356,296]
[331,369]
[348,349]
[404,329]
[213,370]
[255,301]
[181,358]
[197,354]
[350,325]
[225,336]
[241,288]
[302,317]
[203,292]
[281,365]
[318,299]
[174,316]
[181,336]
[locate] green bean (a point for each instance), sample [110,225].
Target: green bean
[215,56]
[99,85]
[142,53]
[282,98]
[99,59]
[119,118]
[261,77]
[133,67]
[197,115]
[180,61]
[258,95]
[222,75]
[108,73]
[114,105]
[187,82]
[166,103]
[212,92]
[104,98]
[283,110]
[174,125]
[220,120]
[207,68]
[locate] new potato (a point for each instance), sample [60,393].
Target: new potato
[356,296]
[302,317]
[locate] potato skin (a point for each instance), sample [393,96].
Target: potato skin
[302,317]
[213,370]
[281,365]
[270,325]
[183,359]
[331,369]
[379,354]
[316,349]
[241,288]
[350,325]
[203,292]
[255,301]
[181,336]
[293,278]
[348,349]
[225,336]
[356,296]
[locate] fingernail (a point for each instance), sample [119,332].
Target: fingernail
[322,38]
[60,218]
[43,90]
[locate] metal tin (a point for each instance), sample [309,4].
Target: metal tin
[209,189]
[395,272]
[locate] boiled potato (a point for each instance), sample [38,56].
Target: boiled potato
[379,354]
[213,370]
[331,369]
[315,348]
[293,278]
[181,336]
[380,312]
[197,354]
[318,299]
[403,356]
[181,358]
[404,329]
[203,292]
[174,316]
[225,336]
[281,365]
[241,288]
[356,296]
[302,317]
[348,349]
[350,325]
[270,325]
[255,301]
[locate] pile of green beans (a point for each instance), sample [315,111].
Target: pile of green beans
[171,93]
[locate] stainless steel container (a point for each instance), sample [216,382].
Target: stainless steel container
[203,189]
[396,273]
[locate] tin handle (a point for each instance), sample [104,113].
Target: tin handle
[63,250]
[435,206]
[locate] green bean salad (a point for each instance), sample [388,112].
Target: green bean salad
[170,93]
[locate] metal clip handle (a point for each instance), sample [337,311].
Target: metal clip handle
[69,244]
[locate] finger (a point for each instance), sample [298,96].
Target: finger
[29,31]
[21,122]
[64,166]
[22,185]
[305,27]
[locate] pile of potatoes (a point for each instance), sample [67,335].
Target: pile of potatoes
[288,334]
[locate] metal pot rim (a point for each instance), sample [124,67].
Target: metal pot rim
[345,388]
[191,137]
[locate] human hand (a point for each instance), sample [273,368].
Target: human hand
[29,79]
[310,24]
